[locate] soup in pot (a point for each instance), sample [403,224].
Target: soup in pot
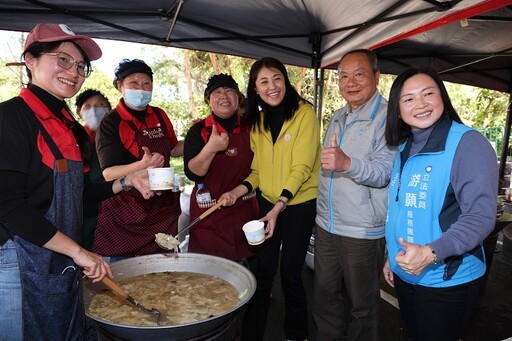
[181,297]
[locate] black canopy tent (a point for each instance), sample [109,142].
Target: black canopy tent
[298,32]
[309,33]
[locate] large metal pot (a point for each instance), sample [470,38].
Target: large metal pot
[240,277]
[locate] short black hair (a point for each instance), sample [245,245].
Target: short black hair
[127,67]
[85,95]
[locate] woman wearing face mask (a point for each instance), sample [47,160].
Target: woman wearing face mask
[91,105]
[135,136]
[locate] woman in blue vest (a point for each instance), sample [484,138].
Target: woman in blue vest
[442,205]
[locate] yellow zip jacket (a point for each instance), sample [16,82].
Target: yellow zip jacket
[293,162]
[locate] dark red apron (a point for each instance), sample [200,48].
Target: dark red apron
[51,304]
[127,223]
[220,234]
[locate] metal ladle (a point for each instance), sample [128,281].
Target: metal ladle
[118,290]
[195,221]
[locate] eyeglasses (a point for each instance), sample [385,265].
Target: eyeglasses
[65,61]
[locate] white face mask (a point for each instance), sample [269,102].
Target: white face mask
[93,116]
[137,99]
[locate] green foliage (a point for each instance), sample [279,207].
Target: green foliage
[177,163]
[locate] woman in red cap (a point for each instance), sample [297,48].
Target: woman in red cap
[43,159]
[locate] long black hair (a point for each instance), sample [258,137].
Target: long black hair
[289,105]
[37,49]
[397,131]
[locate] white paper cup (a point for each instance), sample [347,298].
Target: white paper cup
[160,178]
[254,232]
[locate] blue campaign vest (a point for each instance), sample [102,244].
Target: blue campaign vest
[416,201]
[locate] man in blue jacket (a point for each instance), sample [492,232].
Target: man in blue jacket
[352,205]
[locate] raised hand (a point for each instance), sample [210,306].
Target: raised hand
[152,160]
[217,142]
[414,258]
[333,158]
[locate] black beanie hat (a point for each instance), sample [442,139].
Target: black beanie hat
[127,67]
[218,81]
[85,95]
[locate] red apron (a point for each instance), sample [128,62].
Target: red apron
[127,223]
[220,234]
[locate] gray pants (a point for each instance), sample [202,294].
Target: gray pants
[356,263]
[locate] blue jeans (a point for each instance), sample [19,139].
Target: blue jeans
[11,327]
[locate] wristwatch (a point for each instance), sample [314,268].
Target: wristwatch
[125,187]
[282,202]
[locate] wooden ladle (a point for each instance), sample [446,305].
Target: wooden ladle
[118,290]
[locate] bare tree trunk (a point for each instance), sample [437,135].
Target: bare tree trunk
[215,62]
[300,80]
[188,77]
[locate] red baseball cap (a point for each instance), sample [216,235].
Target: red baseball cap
[45,33]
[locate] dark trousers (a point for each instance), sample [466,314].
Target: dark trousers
[439,314]
[356,263]
[293,231]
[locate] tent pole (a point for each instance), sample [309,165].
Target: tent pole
[504,147]
[316,39]
[320,93]
[178,4]
[318,85]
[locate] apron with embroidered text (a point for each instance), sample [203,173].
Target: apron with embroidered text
[127,223]
[220,234]
[51,303]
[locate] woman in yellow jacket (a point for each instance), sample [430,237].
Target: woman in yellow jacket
[285,139]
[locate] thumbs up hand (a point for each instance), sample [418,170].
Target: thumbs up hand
[334,141]
[414,258]
[333,158]
[217,142]
[153,160]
